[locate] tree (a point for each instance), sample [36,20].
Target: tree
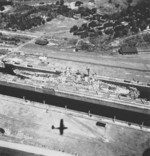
[2,8]
[117,5]
[110,1]
[43,21]
[129,2]
[146,37]
[57,2]
[125,31]
[143,25]
[48,19]
[61,2]
[74,28]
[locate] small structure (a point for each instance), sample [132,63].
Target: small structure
[2,131]
[78,3]
[101,124]
[128,50]
[41,42]
[42,58]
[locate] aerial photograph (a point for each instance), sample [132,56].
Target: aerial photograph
[74,77]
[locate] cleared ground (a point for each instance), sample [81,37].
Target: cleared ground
[14,149]
[127,68]
[32,125]
[60,53]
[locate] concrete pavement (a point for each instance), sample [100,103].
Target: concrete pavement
[32,149]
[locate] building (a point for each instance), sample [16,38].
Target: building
[41,42]
[128,50]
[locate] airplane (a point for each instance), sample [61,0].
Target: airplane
[61,127]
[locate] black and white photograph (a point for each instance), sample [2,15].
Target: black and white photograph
[74,77]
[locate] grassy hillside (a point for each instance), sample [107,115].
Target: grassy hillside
[111,6]
[122,3]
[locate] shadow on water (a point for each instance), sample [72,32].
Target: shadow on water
[77,105]
[146,152]
[12,152]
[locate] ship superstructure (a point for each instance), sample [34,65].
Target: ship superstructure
[79,81]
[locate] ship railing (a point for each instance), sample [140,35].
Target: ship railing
[108,96]
[94,96]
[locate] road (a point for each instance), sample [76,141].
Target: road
[28,34]
[31,149]
[132,63]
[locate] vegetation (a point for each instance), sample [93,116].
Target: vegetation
[137,40]
[102,29]
[13,39]
[25,17]
[99,30]
[1,8]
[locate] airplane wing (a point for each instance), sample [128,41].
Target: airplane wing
[61,131]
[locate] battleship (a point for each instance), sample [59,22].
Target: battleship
[74,78]
[72,83]
[81,86]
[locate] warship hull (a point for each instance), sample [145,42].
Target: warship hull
[80,96]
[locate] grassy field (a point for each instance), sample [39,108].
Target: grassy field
[58,24]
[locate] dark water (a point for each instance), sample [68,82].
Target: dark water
[145,94]
[78,105]
[146,152]
[11,152]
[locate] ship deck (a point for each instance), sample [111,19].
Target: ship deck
[132,68]
[70,92]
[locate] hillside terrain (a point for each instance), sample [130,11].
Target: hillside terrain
[83,25]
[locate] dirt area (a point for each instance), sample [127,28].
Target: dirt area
[57,32]
[62,45]
[32,125]
[13,40]
[60,23]
[127,68]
